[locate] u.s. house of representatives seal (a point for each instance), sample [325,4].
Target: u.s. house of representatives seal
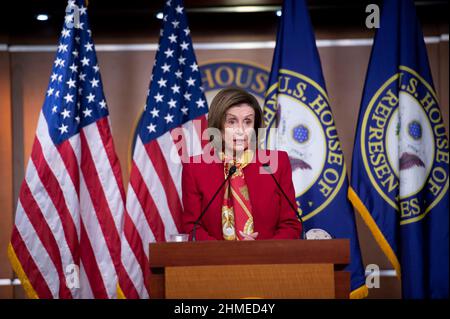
[220,74]
[404,145]
[299,108]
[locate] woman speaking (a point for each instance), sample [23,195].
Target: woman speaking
[248,203]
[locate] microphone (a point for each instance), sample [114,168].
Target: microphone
[230,173]
[267,168]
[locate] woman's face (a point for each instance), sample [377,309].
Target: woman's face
[238,127]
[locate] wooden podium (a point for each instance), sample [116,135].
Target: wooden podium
[250,269]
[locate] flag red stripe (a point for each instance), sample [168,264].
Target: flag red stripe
[45,234]
[108,144]
[29,267]
[135,242]
[159,162]
[148,205]
[55,193]
[100,203]
[90,265]
[70,161]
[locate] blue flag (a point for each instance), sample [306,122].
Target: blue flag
[400,158]
[297,105]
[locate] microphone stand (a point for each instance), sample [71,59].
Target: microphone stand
[267,168]
[230,173]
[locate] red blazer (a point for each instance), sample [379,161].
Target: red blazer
[273,217]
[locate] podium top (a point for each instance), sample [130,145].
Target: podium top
[166,254]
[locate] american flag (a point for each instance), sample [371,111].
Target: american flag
[169,131]
[66,238]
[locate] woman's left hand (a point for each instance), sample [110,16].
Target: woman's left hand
[251,236]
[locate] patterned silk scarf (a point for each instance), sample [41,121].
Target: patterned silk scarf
[236,206]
